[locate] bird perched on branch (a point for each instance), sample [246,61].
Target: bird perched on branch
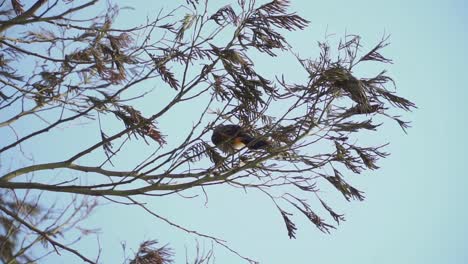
[230,138]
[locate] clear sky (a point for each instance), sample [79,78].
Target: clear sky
[415,209]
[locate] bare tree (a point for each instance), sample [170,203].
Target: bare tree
[59,70]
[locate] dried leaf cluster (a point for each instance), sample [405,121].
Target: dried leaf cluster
[88,71]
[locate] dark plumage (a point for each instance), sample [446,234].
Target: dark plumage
[229,138]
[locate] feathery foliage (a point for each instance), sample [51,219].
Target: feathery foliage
[59,69]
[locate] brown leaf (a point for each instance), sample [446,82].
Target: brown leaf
[17,6]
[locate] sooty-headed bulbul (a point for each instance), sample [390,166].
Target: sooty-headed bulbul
[230,138]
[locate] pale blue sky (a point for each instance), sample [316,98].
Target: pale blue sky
[415,210]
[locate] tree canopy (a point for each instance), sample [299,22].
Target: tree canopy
[62,71]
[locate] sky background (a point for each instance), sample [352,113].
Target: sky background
[415,209]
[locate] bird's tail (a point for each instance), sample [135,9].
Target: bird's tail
[253,143]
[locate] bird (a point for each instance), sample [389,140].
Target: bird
[230,138]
